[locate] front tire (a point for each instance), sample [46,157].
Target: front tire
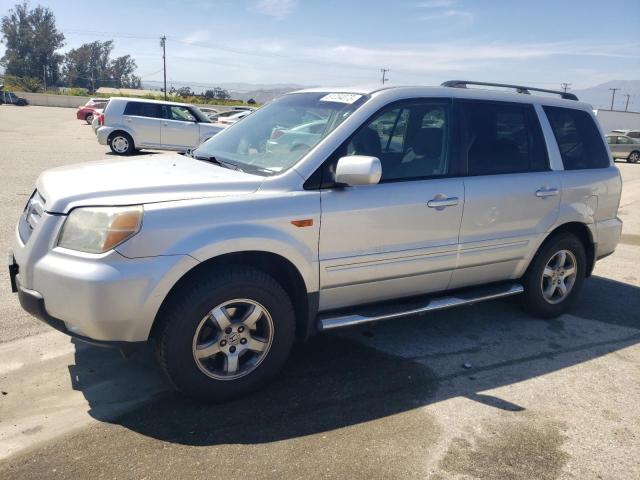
[121,143]
[634,157]
[226,334]
[555,277]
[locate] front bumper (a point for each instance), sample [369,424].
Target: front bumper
[104,299]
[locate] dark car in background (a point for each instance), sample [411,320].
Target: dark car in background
[11,98]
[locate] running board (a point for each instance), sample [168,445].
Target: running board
[414,307]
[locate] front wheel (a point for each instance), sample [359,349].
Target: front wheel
[634,157]
[555,277]
[227,334]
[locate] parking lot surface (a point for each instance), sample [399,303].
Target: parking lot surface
[476,392]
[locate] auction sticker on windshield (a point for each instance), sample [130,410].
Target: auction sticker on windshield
[341,97]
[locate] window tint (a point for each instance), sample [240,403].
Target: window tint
[502,138]
[411,141]
[633,134]
[181,113]
[143,109]
[611,140]
[578,138]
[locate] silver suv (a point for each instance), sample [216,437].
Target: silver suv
[411,199]
[132,124]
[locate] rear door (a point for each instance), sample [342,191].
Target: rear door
[511,195]
[180,128]
[143,118]
[399,237]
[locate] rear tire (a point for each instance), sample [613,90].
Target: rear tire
[555,277]
[88,118]
[634,157]
[121,143]
[226,334]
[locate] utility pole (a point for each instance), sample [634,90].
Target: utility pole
[44,77]
[384,75]
[613,95]
[626,105]
[163,43]
[565,86]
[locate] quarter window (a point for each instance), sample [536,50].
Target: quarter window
[502,138]
[578,138]
[143,109]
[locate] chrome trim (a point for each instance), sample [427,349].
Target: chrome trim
[441,303]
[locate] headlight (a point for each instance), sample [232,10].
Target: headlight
[98,229]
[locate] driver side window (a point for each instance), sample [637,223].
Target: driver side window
[411,141]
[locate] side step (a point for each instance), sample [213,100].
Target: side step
[412,307]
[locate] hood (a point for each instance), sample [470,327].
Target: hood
[157,178]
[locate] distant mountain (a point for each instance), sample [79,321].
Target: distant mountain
[600,95]
[261,93]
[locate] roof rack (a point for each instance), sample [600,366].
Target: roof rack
[518,88]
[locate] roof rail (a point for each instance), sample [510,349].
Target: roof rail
[518,88]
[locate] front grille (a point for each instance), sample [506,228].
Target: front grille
[31,216]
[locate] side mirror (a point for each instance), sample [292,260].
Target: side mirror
[358,170]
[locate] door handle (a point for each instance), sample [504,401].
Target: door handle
[441,202]
[547,192]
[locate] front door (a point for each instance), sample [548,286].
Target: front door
[143,119]
[397,238]
[180,128]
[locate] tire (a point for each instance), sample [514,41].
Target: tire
[121,143]
[88,118]
[188,328]
[634,157]
[538,281]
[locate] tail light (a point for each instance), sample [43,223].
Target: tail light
[101,119]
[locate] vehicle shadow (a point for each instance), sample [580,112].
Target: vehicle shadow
[371,372]
[136,153]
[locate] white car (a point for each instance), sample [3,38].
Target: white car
[231,117]
[212,113]
[132,124]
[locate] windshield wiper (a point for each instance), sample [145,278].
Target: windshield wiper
[215,161]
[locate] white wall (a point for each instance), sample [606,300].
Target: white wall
[615,120]
[69,101]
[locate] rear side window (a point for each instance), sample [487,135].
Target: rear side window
[578,138]
[502,137]
[143,109]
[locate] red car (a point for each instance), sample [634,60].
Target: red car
[88,110]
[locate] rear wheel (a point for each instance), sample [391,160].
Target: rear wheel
[555,277]
[227,335]
[634,157]
[121,143]
[88,118]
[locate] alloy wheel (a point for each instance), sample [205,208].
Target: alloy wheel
[559,276]
[233,339]
[120,144]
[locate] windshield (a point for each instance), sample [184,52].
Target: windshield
[270,140]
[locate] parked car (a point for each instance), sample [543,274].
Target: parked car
[87,111]
[132,124]
[296,138]
[11,98]
[624,147]
[209,112]
[231,118]
[224,256]
[98,120]
[635,134]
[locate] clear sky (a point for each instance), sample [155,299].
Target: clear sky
[332,42]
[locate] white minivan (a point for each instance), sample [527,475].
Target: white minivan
[132,124]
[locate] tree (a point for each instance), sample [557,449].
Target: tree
[185,92]
[88,65]
[121,72]
[31,38]
[221,94]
